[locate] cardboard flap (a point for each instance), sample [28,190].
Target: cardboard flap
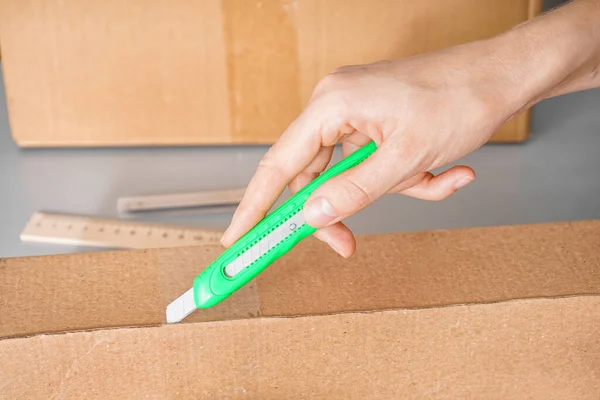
[437,268]
[545,349]
[414,270]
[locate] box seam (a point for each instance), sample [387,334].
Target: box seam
[310,315]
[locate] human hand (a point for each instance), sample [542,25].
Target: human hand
[422,112]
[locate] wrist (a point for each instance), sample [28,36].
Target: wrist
[554,54]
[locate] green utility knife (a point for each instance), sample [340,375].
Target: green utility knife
[269,240]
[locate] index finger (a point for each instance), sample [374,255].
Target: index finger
[288,157]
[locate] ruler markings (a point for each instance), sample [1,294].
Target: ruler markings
[83,230]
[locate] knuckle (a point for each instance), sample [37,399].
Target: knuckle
[331,81]
[330,114]
[357,196]
[337,107]
[270,165]
[407,146]
[322,86]
[301,180]
[246,209]
[413,152]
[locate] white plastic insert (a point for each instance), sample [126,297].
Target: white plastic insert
[265,244]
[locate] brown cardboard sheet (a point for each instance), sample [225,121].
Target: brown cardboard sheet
[209,72]
[483,313]
[542,349]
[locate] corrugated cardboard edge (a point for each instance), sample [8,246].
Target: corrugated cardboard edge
[496,313]
[535,349]
[394,271]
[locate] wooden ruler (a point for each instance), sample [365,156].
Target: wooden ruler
[206,201]
[84,230]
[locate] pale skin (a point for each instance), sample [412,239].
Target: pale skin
[423,113]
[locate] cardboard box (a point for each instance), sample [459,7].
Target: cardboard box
[210,72]
[485,313]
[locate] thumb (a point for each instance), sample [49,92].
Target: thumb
[356,188]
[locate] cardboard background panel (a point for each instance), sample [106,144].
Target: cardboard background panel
[345,32]
[263,81]
[207,72]
[112,73]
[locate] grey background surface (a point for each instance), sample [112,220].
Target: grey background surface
[552,177]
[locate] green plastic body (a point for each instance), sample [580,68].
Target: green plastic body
[213,286]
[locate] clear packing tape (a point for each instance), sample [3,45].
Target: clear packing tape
[177,275]
[107,290]
[123,289]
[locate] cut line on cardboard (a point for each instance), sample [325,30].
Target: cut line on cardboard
[164,325]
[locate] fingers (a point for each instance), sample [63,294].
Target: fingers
[289,156]
[320,124]
[353,142]
[316,166]
[426,186]
[337,236]
[356,188]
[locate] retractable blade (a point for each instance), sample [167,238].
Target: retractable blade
[266,242]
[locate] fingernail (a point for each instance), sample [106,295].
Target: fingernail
[226,238]
[337,249]
[319,212]
[462,182]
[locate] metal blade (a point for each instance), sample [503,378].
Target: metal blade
[181,307]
